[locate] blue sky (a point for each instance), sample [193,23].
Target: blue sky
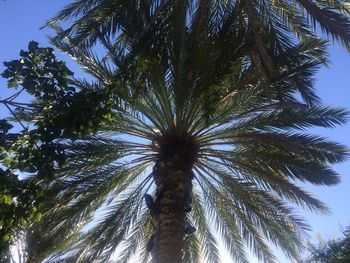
[20,21]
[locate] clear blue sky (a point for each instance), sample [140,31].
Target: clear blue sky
[20,21]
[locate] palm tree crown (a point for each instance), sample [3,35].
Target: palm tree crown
[201,107]
[242,160]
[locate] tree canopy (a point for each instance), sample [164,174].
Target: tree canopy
[331,251]
[194,106]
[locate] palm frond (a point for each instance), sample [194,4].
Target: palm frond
[331,22]
[207,241]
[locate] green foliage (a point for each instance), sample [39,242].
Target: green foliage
[20,200]
[19,206]
[63,109]
[39,73]
[331,251]
[57,112]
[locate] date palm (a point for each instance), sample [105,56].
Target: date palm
[203,132]
[195,131]
[269,26]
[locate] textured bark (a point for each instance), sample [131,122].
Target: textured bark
[173,194]
[173,176]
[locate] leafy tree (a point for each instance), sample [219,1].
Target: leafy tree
[331,251]
[58,110]
[19,199]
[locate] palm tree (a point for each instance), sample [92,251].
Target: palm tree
[270,27]
[194,142]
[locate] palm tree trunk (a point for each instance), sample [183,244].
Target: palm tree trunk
[173,198]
